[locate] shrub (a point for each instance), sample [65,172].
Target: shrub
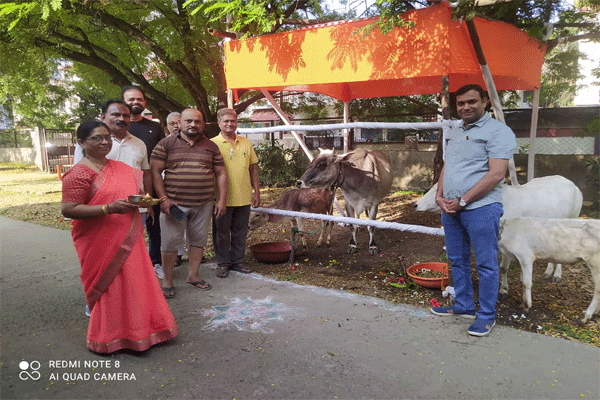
[278,166]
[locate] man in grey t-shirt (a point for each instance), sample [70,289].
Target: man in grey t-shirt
[470,196]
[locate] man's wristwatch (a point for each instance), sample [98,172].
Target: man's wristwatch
[461,202]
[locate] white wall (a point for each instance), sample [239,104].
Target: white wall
[18,155]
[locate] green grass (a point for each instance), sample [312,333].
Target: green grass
[590,335]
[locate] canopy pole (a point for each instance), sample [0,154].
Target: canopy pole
[286,121]
[230,98]
[438,160]
[533,134]
[346,131]
[491,86]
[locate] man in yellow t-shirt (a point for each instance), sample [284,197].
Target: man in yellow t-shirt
[241,163]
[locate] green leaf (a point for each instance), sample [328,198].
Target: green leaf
[398,285]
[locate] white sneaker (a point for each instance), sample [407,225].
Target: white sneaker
[159,271]
[87,311]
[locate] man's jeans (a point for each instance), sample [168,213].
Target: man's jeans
[477,227]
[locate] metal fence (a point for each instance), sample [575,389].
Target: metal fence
[558,145]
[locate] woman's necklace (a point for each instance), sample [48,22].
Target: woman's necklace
[98,165]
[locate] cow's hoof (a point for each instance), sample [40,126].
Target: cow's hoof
[503,296]
[373,251]
[556,278]
[351,249]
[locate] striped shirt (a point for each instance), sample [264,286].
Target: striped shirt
[189,173]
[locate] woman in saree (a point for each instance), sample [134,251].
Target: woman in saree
[128,309]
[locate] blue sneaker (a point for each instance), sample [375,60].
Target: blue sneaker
[481,327]
[88,313]
[450,311]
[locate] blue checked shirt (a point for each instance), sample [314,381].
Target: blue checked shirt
[467,152]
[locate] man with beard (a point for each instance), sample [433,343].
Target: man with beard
[150,133]
[190,162]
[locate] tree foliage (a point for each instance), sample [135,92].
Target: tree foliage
[154,44]
[164,47]
[160,45]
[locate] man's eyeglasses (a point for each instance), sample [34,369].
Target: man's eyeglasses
[99,138]
[173,123]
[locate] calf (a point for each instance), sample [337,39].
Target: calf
[363,176]
[548,197]
[558,240]
[317,201]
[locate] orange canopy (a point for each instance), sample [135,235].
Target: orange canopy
[337,61]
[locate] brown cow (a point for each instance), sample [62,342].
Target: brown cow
[316,201]
[364,177]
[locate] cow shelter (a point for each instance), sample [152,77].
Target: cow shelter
[346,61]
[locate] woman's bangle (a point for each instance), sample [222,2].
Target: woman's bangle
[162,199]
[105,209]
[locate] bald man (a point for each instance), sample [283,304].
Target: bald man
[191,162]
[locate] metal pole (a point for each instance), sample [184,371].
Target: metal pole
[532,135]
[286,121]
[346,131]
[491,86]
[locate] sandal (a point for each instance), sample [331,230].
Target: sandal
[202,283]
[241,269]
[222,272]
[168,292]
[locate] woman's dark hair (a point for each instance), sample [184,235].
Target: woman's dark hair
[87,127]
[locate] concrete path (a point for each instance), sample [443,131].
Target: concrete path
[252,337]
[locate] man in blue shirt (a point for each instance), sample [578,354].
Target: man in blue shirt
[470,196]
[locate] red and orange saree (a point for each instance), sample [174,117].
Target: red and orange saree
[128,309]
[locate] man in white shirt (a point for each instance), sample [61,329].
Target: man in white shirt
[125,147]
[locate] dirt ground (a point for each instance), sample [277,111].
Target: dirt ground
[31,196]
[557,306]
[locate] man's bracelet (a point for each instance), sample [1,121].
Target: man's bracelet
[162,199]
[105,209]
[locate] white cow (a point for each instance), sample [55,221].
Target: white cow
[552,196]
[560,240]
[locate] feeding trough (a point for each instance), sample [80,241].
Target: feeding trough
[272,252]
[432,275]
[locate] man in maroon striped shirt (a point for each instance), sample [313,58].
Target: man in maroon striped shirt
[190,162]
